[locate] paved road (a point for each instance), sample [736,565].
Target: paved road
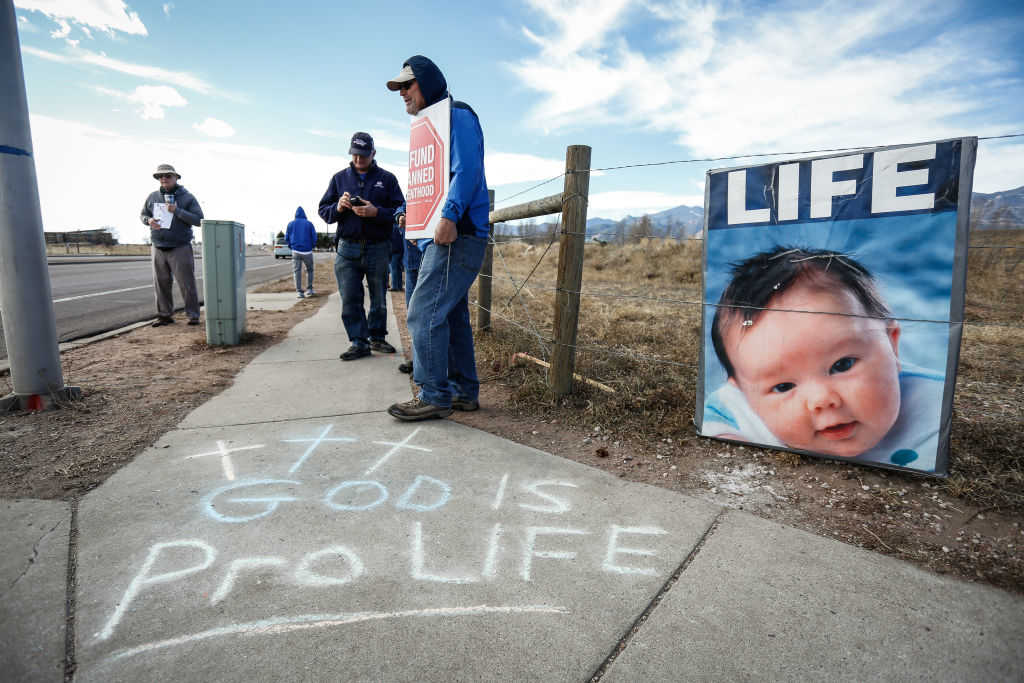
[96,294]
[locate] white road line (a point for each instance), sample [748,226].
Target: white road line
[113,291]
[132,289]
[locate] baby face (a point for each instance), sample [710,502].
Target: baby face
[823,383]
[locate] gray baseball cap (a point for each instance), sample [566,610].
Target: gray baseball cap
[404,76]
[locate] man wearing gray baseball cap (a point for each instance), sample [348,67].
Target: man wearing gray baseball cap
[171,212]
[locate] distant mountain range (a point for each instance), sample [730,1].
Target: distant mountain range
[999,210]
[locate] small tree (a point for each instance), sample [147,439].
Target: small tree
[641,229]
[528,230]
[620,232]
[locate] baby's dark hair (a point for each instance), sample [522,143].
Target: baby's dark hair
[760,278]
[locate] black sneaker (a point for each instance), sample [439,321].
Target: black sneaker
[406,367]
[160,322]
[355,351]
[193,321]
[466,405]
[381,346]
[414,410]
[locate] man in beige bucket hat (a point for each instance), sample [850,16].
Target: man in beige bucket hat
[171,212]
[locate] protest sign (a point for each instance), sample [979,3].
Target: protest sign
[833,301]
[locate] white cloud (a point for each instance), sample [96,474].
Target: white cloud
[621,203]
[63,29]
[152,99]
[786,78]
[220,174]
[215,128]
[106,15]
[325,133]
[180,79]
[168,6]
[503,168]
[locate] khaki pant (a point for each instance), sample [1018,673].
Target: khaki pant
[170,265]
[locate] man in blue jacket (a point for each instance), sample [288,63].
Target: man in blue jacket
[301,238]
[444,361]
[172,245]
[362,200]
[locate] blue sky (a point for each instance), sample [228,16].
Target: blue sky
[254,103]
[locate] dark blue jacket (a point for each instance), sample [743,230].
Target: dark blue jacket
[467,205]
[380,188]
[300,235]
[397,237]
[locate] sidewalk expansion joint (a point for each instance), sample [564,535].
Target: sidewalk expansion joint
[671,581]
[69,600]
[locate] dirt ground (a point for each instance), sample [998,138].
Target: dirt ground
[139,385]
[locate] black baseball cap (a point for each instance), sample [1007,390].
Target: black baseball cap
[362,144]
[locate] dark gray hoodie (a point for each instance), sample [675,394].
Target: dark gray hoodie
[187,214]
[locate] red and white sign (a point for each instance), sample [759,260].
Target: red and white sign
[429,167]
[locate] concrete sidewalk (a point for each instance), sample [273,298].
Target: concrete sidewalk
[289,529]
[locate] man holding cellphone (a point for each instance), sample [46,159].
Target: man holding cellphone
[362,200]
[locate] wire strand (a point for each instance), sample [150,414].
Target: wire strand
[722,158]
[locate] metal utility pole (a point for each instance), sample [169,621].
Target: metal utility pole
[26,305]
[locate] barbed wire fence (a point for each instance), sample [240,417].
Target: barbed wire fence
[506,311]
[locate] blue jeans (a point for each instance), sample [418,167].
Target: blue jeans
[444,362]
[299,260]
[356,260]
[411,263]
[396,271]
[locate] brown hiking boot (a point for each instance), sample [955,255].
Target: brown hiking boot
[466,405]
[414,410]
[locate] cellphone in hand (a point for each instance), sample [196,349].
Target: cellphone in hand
[357,201]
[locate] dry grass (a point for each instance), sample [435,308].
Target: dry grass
[639,332]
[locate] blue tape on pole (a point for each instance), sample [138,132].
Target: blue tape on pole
[4,149]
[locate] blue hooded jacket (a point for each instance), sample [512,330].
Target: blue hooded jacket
[468,205]
[300,235]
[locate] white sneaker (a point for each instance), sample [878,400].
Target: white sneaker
[301,295]
[309,292]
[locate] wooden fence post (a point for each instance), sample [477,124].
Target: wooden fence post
[570,267]
[484,280]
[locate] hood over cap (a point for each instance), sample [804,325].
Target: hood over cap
[299,213]
[432,83]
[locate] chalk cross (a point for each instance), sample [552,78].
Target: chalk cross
[397,447]
[313,443]
[225,457]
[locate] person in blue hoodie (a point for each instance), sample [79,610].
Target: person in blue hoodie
[362,200]
[444,361]
[301,238]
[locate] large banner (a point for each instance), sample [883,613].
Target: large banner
[429,167]
[833,292]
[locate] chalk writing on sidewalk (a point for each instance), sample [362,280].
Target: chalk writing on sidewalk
[523,531]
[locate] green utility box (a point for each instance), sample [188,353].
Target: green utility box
[224,281]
